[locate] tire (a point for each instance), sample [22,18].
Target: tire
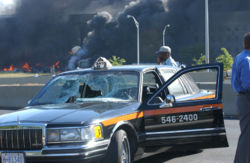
[119,150]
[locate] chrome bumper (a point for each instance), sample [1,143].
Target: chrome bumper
[89,150]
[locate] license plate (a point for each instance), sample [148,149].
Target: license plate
[12,158]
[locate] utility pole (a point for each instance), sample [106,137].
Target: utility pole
[163,34]
[138,37]
[206,33]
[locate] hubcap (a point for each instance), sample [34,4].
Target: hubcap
[125,155]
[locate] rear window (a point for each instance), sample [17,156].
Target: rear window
[166,73]
[190,82]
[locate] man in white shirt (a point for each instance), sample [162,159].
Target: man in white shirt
[164,56]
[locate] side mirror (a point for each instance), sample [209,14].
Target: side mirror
[170,99]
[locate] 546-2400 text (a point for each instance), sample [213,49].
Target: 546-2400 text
[179,118]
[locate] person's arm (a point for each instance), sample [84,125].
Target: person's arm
[233,78]
[158,60]
[245,74]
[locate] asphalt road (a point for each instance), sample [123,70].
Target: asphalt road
[215,155]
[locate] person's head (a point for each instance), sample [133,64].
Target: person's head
[247,41]
[163,54]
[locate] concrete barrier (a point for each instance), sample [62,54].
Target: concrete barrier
[17,96]
[204,76]
[229,106]
[25,80]
[15,92]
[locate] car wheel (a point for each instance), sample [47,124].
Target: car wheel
[119,150]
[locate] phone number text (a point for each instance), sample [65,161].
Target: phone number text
[179,118]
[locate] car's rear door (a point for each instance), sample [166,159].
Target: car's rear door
[190,117]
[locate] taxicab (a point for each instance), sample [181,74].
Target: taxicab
[116,114]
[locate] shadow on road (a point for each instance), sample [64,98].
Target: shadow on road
[166,156]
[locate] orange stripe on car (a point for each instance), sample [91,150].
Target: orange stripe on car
[178,109]
[203,97]
[122,118]
[141,114]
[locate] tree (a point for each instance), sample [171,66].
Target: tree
[200,60]
[226,59]
[116,61]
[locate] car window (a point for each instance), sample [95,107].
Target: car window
[150,78]
[151,82]
[190,83]
[176,88]
[204,88]
[166,73]
[93,86]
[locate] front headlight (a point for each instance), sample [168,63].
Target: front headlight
[83,134]
[70,134]
[92,133]
[53,135]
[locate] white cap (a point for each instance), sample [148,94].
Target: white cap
[75,49]
[164,49]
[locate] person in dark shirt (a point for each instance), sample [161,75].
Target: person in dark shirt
[241,85]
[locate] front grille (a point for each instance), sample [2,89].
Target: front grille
[21,139]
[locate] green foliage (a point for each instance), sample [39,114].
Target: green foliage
[200,60]
[116,61]
[226,59]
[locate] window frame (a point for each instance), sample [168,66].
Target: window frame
[160,80]
[219,84]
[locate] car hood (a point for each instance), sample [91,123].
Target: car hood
[69,113]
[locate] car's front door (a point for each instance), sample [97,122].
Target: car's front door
[187,117]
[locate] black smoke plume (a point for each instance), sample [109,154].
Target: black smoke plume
[43,31]
[117,36]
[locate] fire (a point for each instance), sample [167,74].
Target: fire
[11,68]
[57,64]
[26,67]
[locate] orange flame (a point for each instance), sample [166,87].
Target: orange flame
[11,68]
[26,67]
[57,64]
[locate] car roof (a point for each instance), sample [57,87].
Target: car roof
[138,68]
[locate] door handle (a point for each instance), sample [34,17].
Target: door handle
[206,109]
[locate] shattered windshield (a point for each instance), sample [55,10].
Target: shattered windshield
[88,87]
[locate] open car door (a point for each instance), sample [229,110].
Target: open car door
[193,115]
